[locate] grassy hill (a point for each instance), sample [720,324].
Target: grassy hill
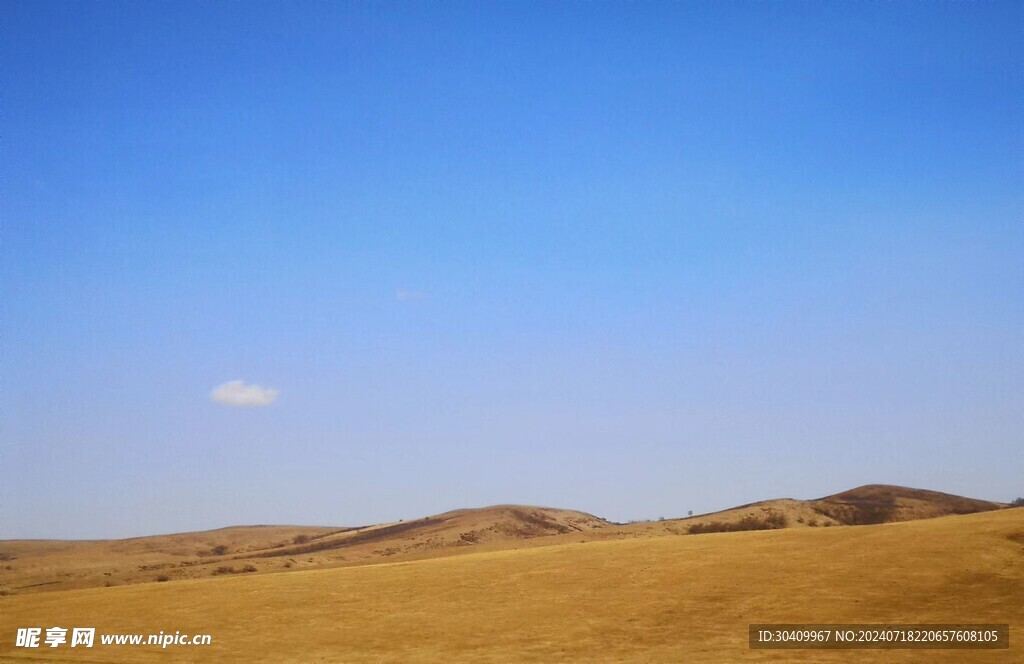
[35,566]
[881,503]
[642,599]
[870,504]
[41,566]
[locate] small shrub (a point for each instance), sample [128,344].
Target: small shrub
[219,550]
[712,527]
[224,570]
[300,539]
[163,578]
[750,522]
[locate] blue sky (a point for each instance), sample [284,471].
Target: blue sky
[630,258]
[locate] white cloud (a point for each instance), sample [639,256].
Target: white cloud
[404,295]
[238,393]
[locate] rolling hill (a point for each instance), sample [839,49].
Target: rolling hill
[47,565]
[29,566]
[650,599]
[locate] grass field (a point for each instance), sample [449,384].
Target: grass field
[658,599]
[30,566]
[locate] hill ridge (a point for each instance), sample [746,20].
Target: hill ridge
[45,565]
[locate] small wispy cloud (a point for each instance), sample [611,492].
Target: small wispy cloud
[239,393]
[404,295]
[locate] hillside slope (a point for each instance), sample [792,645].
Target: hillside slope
[35,566]
[659,599]
[865,505]
[882,503]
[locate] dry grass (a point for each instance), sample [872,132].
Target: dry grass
[44,566]
[659,599]
[881,503]
[37,566]
[873,503]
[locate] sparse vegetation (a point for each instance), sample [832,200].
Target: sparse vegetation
[147,568]
[1018,502]
[300,539]
[858,512]
[186,556]
[708,584]
[750,522]
[537,522]
[225,569]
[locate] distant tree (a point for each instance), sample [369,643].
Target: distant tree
[690,513]
[1018,503]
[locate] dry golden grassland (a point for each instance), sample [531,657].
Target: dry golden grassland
[28,566]
[658,599]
